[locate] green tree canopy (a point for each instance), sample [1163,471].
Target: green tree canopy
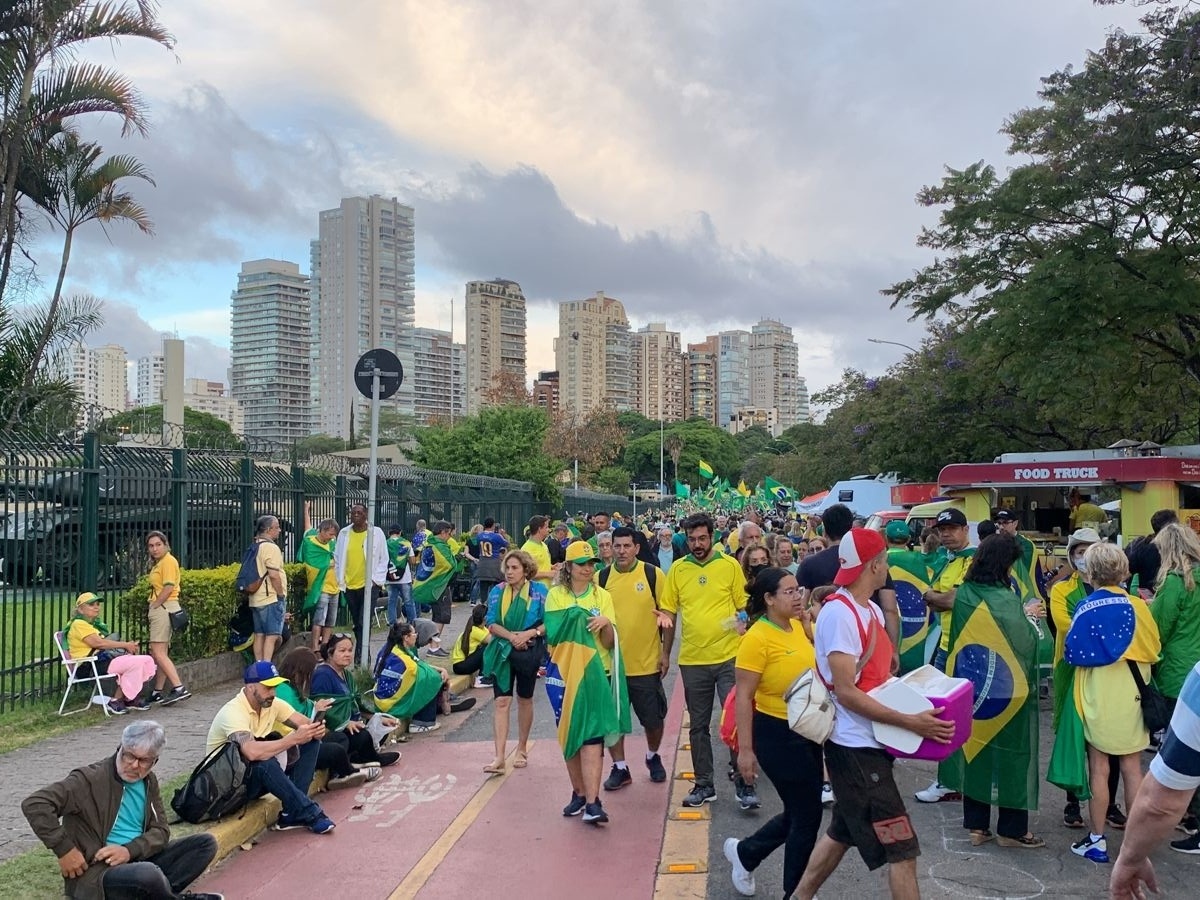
[200,429]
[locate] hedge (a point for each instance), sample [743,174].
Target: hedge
[210,599]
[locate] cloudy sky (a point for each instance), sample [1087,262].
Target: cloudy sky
[708,162]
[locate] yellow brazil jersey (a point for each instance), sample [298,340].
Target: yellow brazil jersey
[950,577]
[704,597]
[637,627]
[356,559]
[596,600]
[541,555]
[779,657]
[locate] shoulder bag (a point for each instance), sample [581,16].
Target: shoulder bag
[1156,710]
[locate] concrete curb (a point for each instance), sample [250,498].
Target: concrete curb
[233,831]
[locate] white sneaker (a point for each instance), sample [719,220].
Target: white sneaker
[743,879]
[827,797]
[936,793]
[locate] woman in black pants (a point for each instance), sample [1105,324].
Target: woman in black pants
[467,656]
[774,652]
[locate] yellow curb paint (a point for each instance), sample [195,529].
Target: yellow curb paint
[420,873]
[683,868]
[691,815]
[684,859]
[687,776]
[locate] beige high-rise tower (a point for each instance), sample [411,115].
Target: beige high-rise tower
[592,353]
[700,380]
[775,381]
[495,336]
[657,369]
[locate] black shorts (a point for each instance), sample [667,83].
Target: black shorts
[869,813]
[648,699]
[524,667]
[441,609]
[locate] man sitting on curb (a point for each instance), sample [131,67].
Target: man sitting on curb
[107,826]
[250,720]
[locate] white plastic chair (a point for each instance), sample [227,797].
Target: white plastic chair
[81,671]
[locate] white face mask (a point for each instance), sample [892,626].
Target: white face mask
[1081,566]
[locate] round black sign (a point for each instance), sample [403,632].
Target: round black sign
[391,373]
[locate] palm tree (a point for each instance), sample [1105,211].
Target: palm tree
[674,446]
[41,88]
[74,187]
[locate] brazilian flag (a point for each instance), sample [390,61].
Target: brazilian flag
[317,558]
[774,492]
[705,469]
[994,646]
[682,491]
[911,576]
[405,685]
[593,703]
[434,572]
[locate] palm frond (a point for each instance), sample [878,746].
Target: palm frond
[82,88]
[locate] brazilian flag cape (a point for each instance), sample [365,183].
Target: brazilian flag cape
[911,576]
[497,650]
[1063,671]
[405,684]
[317,559]
[994,645]
[594,704]
[434,573]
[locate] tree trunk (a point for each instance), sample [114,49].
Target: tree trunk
[12,152]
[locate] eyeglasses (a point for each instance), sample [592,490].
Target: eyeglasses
[341,636]
[788,592]
[131,759]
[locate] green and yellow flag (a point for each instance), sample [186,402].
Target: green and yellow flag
[912,578]
[317,558]
[706,470]
[743,489]
[682,491]
[994,646]
[774,492]
[405,685]
[434,571]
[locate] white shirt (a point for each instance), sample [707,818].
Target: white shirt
[837,632]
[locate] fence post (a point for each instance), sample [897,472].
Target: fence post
[339,498]
[298,524]
[89,556]
[246,490]
[179,516]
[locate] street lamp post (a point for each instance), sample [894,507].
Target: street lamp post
[894,344]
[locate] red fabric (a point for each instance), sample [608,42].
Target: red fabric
[878,669]
[728,729]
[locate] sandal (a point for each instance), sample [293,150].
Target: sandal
[521,760]
[981,837]
[494,769]
[1026,841]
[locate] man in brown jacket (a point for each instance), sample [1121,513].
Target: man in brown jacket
[105,823]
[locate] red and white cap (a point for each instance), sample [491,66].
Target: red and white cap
[856,549]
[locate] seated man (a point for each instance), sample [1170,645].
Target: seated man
[250,720]
[107,826]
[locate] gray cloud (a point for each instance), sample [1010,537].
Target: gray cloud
[125,326]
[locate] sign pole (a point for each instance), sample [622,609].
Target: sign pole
[364,649]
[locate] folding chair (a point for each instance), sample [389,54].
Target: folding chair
[81,671]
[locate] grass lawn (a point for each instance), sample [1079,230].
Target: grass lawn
[40,720]
[34,875]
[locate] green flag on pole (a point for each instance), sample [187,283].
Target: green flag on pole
[682,491]
[706,470]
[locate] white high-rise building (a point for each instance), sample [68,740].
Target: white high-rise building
[656,365]
[100,376]
[774,375]
[365,266]
[592,352]
[439,376]
[151,370]
[269,351]
[495,336]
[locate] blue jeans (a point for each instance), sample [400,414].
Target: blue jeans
[265,777]
[400,599]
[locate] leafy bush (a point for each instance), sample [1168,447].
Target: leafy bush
[210,599]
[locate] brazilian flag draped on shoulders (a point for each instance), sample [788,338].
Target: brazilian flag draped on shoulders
[911,576]
[317,558]
[594,704]
[994,645]
[405,684]
[434,571]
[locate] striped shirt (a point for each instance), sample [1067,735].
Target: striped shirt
[1177,765]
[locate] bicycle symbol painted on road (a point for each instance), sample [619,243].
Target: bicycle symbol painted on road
[392,799]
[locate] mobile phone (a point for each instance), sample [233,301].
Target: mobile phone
[319,716]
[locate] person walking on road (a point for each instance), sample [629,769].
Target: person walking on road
[164,600]
[399,577]
[356,574]
[432,580]
[774,652]
[703,595]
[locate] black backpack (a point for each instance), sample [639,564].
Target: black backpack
[216,787]
[248,580]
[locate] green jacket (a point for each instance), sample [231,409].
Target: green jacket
[1177,614]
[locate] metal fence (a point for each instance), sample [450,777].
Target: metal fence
[74,516]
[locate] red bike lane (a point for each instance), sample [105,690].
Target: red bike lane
[435,826]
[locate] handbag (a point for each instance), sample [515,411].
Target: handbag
[810,708]
[180,621]
[1156,711]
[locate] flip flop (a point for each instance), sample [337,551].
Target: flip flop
[522,760]
[493,769]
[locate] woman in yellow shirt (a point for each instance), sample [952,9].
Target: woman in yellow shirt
[164,600]
[773,653]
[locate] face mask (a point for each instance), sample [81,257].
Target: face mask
[1081,566]
[754,570]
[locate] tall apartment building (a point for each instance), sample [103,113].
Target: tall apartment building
[733,374]
[151,370]
[99,375]
[365,261]
[210,397]
[700,380]
[270,341]
[495,336]
[545,392]
[803,411]
[592,352]
[314,327]
[774,373]
[438,375]
[656,367]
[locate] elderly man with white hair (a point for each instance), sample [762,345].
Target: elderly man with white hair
[107,826]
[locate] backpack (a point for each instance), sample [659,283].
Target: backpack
[216,787]
[651,577]
[248,580]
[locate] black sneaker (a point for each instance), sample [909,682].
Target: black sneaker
[617,778]
[699,795]
[155,697]
[1071,816]
[747,795]
[575,807]
[138,704]
[287,823]
[594,814]
[1115,817]
[1189,825]
[176,694]
[389,757]
[192,895]
[116,707]
[1190,844]
[462,705]
[658,773]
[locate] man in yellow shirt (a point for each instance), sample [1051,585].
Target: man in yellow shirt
[634,587]
[707,590]
[535,546]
